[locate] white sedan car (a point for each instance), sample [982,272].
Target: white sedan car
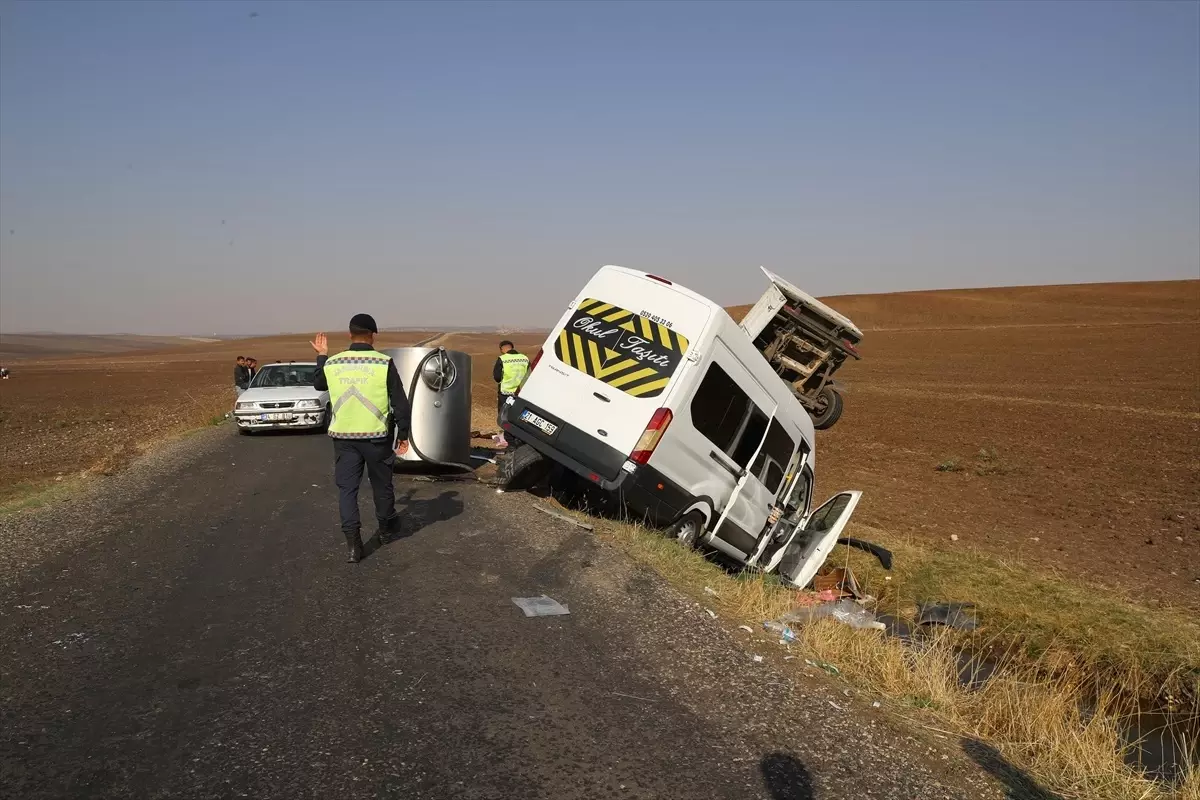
[282,397]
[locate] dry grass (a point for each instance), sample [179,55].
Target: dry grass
[1032,710]
[1054,620]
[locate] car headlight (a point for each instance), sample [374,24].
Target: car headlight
[245,406]
[308,404]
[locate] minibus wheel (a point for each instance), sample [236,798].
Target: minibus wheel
[688,529]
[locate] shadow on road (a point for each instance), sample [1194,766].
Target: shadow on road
[1017,784]
[786,777]
[416,515]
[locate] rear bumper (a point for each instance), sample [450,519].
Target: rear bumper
[644,491]
[584,455]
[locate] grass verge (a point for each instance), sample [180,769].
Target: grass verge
[35,494]
[1069,656]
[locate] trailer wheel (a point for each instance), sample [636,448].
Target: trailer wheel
[828,410]
[522,469]
[688,529]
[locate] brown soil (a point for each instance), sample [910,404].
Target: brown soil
[1070,414]
[61,416]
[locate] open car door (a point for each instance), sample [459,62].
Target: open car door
[814,539]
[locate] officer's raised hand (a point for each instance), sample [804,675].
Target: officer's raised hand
[321,345]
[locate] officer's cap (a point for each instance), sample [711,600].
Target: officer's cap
[364,322]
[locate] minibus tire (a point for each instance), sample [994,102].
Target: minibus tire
[523,468]
[688,529]
[832,412]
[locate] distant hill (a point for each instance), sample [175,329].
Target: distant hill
[17,346]
[1091,303]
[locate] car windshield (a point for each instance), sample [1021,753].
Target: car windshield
[277,375]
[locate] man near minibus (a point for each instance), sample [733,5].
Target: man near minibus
[370,411]
[509,372]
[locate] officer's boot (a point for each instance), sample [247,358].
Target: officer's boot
[389,528]
[354,541]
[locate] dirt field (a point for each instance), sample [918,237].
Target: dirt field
[1086,400]
[62,416]
[1065,419]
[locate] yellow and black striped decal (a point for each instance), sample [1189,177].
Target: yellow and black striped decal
[625,350]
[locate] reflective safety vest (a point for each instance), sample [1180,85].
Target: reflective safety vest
[358,394]
[516,367]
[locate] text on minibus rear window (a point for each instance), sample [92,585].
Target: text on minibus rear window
[628,351]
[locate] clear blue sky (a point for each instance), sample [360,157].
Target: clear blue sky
[189,168]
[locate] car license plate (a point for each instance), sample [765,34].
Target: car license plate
[274,417]
[545,427]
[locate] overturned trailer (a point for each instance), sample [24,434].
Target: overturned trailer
[805,342]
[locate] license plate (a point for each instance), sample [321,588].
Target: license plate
[274,417]
[545,427]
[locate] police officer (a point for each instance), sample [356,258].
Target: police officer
[363,387]
[509,371]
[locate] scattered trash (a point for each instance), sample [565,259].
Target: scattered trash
[875,704]
[835,705]
[757,659]
[710,590]
[830,668]
[845,611]
[540,606]
[785,633]
[960,616]
[745,628]
[710,612]
[1035,539]
[315,486]
[564,517]
[954,537]
[839,581]
[635,697]
[484,458]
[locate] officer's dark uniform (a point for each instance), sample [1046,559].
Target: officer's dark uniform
[360,381]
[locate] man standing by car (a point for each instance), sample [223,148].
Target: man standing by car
[241,376]
[363,388]
[509,372]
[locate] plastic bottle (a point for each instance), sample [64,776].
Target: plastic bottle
[785,633]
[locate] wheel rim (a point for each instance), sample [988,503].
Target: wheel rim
[688,532]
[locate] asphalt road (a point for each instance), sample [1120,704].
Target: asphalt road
[192,630]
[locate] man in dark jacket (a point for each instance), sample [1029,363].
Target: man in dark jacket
[241,376]
[370,411]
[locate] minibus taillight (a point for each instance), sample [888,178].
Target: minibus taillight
[532,364]
[651,436]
